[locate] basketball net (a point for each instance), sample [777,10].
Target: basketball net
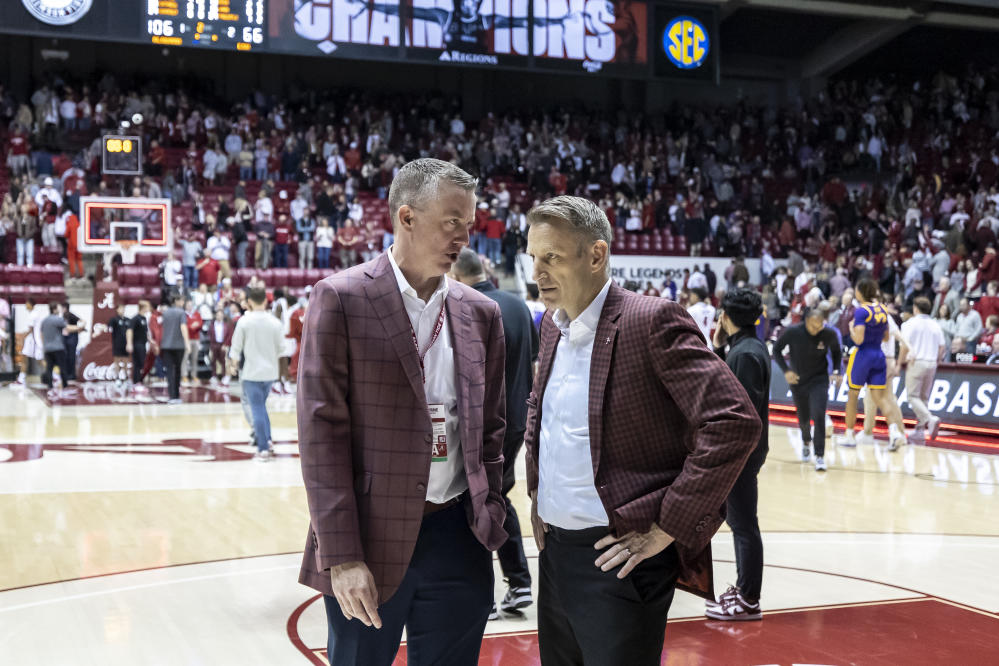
[127,248]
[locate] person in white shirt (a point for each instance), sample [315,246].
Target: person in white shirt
[48,192]
[697,279]
[925,347]
[172,273]
[218,248]
[702,312]
[258,339]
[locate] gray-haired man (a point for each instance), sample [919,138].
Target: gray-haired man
[400,418]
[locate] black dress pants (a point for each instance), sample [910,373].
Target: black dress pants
[443,602]
[741,516]
[173,359]
[512,559]
[810,399]
[588,617]
[53,360]
[138,362]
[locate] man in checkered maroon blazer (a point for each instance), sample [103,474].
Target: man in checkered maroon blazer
[636,433]
[400,417]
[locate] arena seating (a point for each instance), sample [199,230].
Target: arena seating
[43,282]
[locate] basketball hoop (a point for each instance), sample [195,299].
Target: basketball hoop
[128,249]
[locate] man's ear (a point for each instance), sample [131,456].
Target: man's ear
[600,255]
[404,217]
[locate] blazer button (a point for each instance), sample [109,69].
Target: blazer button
[428,438]
[699,528]
[422,487]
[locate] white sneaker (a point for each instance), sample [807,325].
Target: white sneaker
[214,381]
[262,456]
[806,453]
[865,439]
[933,427]
[21,378]
[225,380]
[820,464]
[848,439]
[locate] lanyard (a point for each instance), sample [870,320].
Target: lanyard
[433,338]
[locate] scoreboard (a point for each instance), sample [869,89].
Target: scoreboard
[223,24]
[639,39]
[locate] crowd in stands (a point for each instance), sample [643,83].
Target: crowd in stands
[881,177]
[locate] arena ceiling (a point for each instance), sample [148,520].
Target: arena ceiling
[818,38]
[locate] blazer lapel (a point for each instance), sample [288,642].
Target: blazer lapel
[385,298]
[550,335]
[600,365]
[460,323]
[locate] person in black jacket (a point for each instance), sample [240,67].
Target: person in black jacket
[522,343]
[749,361]
[810,344]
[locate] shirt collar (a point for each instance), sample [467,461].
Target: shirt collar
[584,326]
[406,288]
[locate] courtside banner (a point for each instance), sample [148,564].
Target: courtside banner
[962,394]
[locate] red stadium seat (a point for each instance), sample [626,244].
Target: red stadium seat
[17,293]
[151,277]
[241,276]
[5,273]
[38,292]
[296,277]
[278,278]
[17,274]
[52,274]
[314,275]
[131,295]
[129,276]
[56,294]
[34,275]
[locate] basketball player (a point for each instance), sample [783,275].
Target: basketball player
[870,411]
[867,365]
[120,356]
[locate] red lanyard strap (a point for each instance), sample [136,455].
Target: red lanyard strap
[433,338]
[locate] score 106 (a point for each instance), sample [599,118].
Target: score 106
[165,28]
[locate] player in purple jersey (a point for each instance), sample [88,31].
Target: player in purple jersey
[867,365]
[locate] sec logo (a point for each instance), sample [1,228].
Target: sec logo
[58,12]
[686,42]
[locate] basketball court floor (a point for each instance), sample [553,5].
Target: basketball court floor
[141,533]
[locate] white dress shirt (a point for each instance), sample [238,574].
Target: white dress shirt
[447,478]
[704,315]
[567,495]
[924,337]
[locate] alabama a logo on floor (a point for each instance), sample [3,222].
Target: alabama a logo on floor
[58,12]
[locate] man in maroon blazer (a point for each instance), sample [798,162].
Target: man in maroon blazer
[635,435]
[400,417]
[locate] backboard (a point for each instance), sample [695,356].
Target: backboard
[106,221]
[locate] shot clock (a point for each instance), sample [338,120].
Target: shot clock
[122,155]
[224,24]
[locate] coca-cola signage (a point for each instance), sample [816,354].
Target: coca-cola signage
[95,359]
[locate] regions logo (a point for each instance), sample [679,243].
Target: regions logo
[686,42]
[469,58]
[58,12]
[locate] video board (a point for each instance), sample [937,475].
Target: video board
[617,38]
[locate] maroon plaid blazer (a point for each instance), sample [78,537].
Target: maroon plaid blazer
[670,425]
[364,428]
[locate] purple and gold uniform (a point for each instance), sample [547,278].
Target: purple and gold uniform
[867,361]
